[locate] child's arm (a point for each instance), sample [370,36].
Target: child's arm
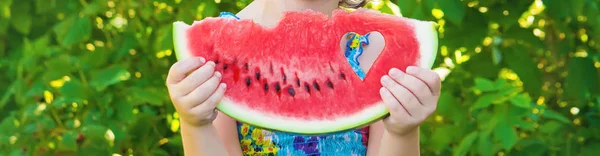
[202,140]
[385,143]
[393,144]
[410,97]
[375,134]
[228,133]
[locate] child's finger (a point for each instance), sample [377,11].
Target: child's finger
[413,84]
[216,97]
[392,104]
[180,69]
[196,78]
[202,92]
[432,79]
[207,110]
[403,95]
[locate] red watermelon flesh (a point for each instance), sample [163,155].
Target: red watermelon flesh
[294,77]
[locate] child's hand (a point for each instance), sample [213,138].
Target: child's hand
[410,97]
[195,90]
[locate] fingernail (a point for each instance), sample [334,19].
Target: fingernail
[412,69]
[211,63]
[202,60]
[382,90]
[218,74]
[395,72]
[223,85]
[386,79]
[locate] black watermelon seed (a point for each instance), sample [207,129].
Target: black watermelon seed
[291,91]
[266,87]
[284,78]
[248,81]
[306,87]
[245,66]
[217,61]
[316,85]
[225,66]
[297,81]
[257,75]
[283,75]
[277,87]
[329,84]
[343,76]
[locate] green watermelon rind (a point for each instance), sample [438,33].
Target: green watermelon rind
[426,34]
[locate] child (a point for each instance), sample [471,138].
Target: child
[195,90]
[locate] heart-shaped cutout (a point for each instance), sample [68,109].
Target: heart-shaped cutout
[361,51]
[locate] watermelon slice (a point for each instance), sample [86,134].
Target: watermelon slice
[294,77]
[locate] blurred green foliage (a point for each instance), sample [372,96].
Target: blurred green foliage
[86,77]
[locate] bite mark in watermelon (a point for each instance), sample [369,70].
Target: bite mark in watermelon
[294,77]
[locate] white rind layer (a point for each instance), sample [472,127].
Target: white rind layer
[427,37]
[251,116]
[180,40]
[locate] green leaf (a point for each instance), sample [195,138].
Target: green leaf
[533,146]
[73,30]
[8,125]
[129,42]
[94,60]
[407,7]
[521,100]
[57,67]
[21,18]
[109,76]
[554,115]
[5,4]
[582,79]
[37,89]
[469,35]
[441,138]
[124,111]
[465,144]
[506,134]
[95,8]
[74,90]
[151,96]
[591,150]
[577,7]
[522,64]
[484,101]
[164,40]
[454,10]
[557,9]
[484,85]
[159,152]
[95,133]
[484,145]
[449,107]
[482,65]
[44,6]
[550,127]
[69,141]
[524,125]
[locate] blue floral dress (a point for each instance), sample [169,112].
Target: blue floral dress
[257,141]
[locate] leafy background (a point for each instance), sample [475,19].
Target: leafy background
[87,76]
